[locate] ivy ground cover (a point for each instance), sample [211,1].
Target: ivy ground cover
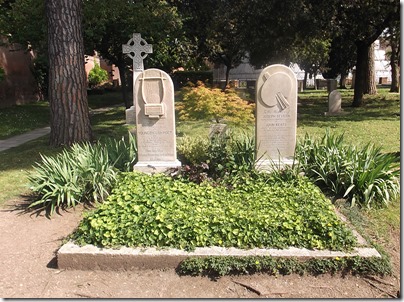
[257,211]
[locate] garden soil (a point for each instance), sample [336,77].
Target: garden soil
[28,269]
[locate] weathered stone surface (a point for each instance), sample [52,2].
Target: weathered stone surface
[276,116]
[155,122]
[71,256]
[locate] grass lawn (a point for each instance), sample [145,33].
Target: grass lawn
[377,122]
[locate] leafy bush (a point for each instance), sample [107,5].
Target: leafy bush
[226,265]
[97,75]
[363,174]
[193,150]
[158,211]
[83,173]
[122,154]
[221,155]
[205,103]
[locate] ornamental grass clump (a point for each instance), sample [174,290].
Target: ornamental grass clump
[157,211]
[83,173]
[365,175]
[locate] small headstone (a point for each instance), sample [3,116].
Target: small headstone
[155,122]
[276,117]
[130,114]
[334,103]
[217,129]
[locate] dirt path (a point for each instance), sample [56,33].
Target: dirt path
[28,270]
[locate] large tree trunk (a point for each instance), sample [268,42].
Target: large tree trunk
[362,51]
[370,78]
[70,121]
[395,70]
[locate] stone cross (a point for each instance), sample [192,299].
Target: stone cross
[136,49]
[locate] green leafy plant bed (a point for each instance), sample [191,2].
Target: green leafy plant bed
[258,211]
[220,266]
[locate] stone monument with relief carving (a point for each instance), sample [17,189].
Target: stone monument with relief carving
[276,117]
[155,122]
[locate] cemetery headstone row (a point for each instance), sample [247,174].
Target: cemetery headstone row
[154,117]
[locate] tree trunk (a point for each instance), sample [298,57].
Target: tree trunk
[370,79]
[124,84]
[342,81]
[70,121]
[395,73]
[362,51]
[305,80]
[228,67]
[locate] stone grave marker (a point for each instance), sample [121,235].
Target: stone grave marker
[334,103]
[276,117]
[137,49]
[155,122]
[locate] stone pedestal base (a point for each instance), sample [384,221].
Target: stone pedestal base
[268,165]
[130,116]
[156,166]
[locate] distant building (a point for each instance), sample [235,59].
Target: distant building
[19,85]
[246,74]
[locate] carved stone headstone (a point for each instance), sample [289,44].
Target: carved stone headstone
[276,116]
[334,103]
[137,49]
[155,122]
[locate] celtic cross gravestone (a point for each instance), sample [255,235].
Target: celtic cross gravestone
[137,49]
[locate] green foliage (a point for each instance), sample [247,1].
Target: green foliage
[205,103]
[121,153]
[83,173]
[193,150]
[363,174]
[224,154]
[217,266]
[97,76]
[158,211]
[182,78]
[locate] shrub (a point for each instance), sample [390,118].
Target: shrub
[83,173]
[363,174]
[221,155]
[205,103]
[158,211]
[97,75]
[122,154]
[193,150]
[217,266]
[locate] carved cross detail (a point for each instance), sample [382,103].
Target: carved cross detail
[137,49]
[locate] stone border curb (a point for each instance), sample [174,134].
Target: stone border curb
[73,257]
